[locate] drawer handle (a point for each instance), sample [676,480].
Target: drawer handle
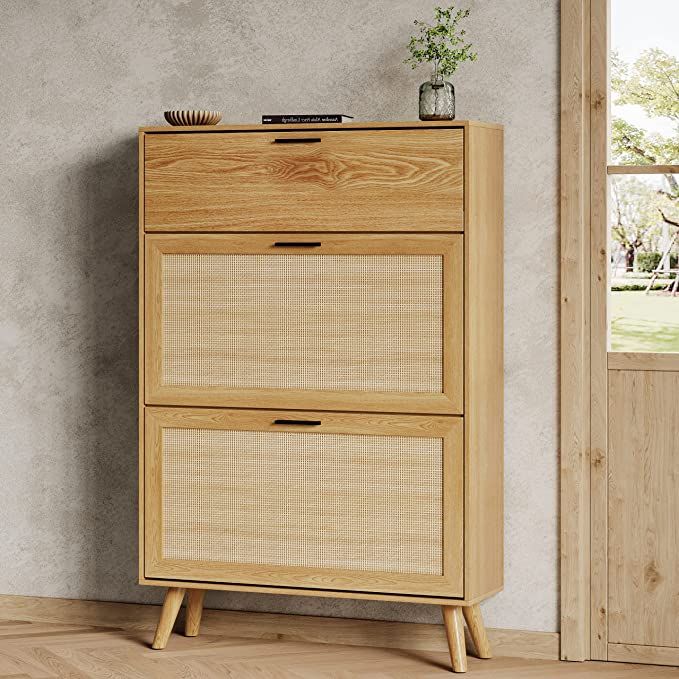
[297,244]
[297,140]
[308,423]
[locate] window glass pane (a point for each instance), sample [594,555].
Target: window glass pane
[645,82]
[644,273]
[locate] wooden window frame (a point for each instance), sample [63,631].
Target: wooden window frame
[585,111]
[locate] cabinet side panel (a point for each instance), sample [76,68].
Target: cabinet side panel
[484,554]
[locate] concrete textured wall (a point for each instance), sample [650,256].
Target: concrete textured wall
[76,79]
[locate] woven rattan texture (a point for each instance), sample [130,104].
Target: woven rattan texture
[358,502]
[325,322]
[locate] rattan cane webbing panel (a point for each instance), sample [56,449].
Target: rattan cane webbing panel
[337,501]
[325,322]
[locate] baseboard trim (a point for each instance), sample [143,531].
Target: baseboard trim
[378,633]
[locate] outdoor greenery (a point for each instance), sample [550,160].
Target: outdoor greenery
[644,210]
[619,287]
[651,82]
[638,211]
[641,322]
[648,261]
[442,43]
[639,207]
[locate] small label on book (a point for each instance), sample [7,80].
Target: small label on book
[305,118]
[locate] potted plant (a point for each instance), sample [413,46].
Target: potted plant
[442,45]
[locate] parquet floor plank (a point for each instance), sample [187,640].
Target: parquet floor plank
[44,650]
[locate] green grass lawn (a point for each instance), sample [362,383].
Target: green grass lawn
[641,322]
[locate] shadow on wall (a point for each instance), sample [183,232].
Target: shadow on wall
[104,210]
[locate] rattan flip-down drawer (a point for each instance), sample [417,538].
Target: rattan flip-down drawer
[371,323]
[321,363]
[311,499]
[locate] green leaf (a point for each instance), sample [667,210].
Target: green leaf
[441,43]
[652,83]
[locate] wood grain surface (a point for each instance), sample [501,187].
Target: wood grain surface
[168,615]
[454,625]
[575,340]
[69,613]
[643,530]
[356,125]
[484,360]
[61,639]
[386,180]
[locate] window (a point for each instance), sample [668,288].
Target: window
[643,180]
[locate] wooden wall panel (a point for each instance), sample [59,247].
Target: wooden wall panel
[599,106]
[575,340]
[643,512]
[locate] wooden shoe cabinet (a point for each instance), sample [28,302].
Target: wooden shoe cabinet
[321,365]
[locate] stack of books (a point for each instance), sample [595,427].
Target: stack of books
[305,118]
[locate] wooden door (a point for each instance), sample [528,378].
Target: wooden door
[321,180]
[634,367]
[353,322]
[335,501]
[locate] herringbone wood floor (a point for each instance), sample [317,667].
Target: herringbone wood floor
[31,650]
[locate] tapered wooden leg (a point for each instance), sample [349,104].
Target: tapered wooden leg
[171,606]
[194,612]
[477,630]
[452,617]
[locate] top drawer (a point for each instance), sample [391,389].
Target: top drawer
[354,180]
